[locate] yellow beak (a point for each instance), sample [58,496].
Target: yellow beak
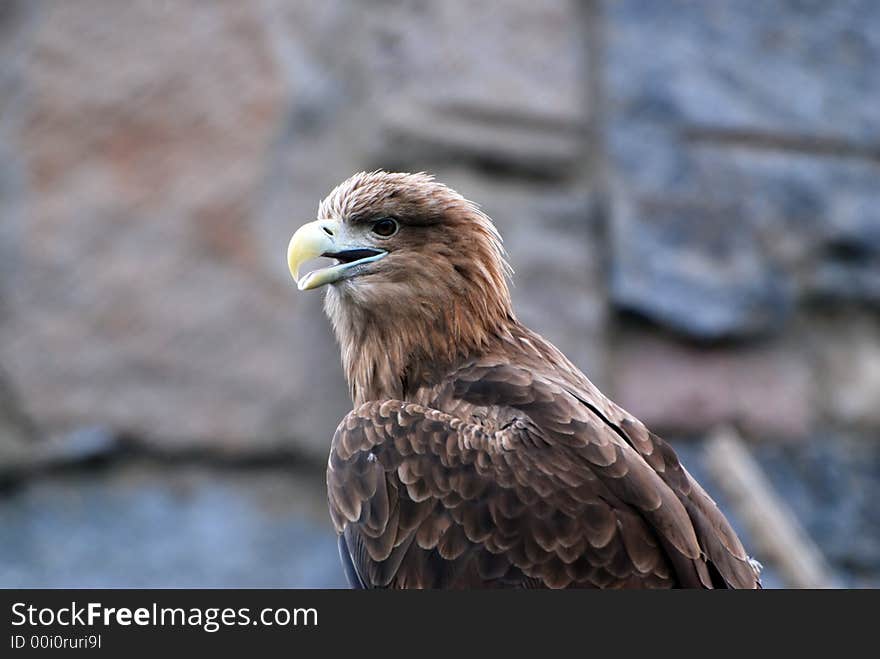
[327,238]
[309,242]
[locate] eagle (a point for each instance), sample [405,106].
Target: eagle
[476,454]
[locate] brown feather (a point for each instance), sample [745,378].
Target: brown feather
[477,455]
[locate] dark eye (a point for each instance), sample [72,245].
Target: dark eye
[385,227]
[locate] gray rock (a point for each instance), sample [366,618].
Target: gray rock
[143,525]
[461,53]
[831,483]
[681,265]
[814,218]
[737,111]
[19,445]
[483,135]
[780,67]
[848,350]
[848,258]
[16,21]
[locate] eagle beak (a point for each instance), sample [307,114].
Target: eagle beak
[327,238]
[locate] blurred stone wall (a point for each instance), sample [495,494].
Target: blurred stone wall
[688,192]
[746,141]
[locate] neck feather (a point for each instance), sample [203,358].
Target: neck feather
[389,353]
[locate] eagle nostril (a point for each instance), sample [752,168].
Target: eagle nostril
[327,231]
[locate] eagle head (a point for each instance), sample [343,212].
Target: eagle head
[399,237]
[419,271]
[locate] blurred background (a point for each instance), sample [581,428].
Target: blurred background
[689,193]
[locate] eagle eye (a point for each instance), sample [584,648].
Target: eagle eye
[385,227]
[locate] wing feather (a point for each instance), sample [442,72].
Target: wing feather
[563,494]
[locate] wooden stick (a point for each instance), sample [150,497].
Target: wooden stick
[777,534]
